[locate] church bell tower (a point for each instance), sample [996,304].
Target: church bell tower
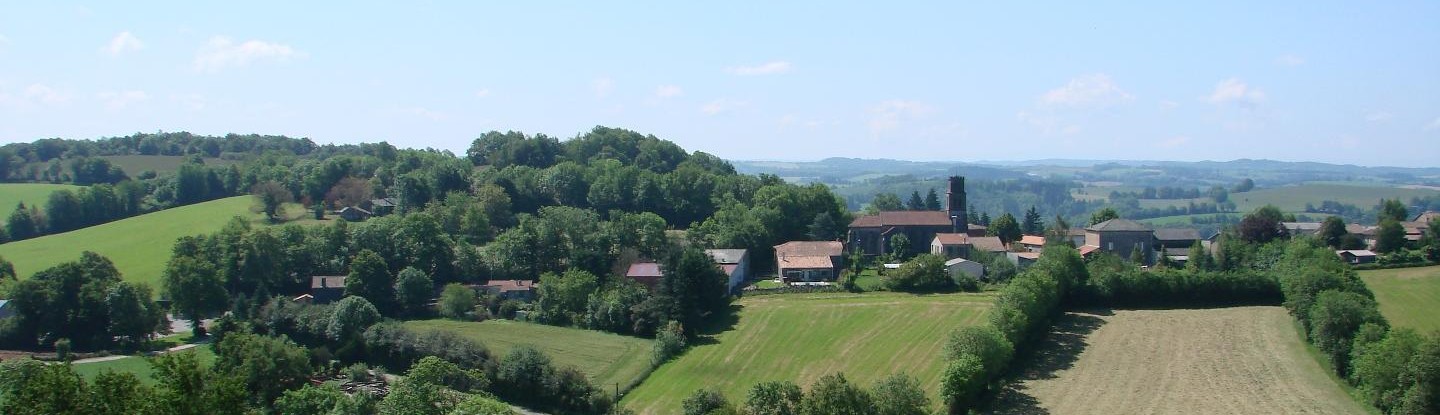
[955,205]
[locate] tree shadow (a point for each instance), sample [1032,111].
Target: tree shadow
[717,324]
[1058,351]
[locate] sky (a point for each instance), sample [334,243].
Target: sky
[1338,82]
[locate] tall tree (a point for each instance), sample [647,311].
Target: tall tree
[1103,215]
[692,288]
[1393,209]
[884,202]
[1332,230]
[272,197]
[412,291]
[195,289]
[1390,237]
[370,278]
[932,200]
[915,202]
[1005,228]
[22,224]
[1033,224]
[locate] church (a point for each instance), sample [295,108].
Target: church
[871,233]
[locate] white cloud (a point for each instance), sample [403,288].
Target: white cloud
[1086,91]
[482,93]
[890,114]
[668,91]
[1379,116]
[118,100]
[1289,60]
[1237,92]
[768,68]
[721,106]
[1433,125]
[123,42]
[46,95]
[602,87]
[221,52]
[1175,141]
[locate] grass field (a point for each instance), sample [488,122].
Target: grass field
[802,337]
[1207,361]
[1409,297]
[137,365]
[33,194]
[608,359]
[139,246]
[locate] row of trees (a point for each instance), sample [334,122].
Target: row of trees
[897,394]
[81,303]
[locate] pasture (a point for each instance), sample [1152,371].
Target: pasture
[1408,297]
[1204,361]
[608,359]
[33,194]
[800,337]
[138,365]
[139,246]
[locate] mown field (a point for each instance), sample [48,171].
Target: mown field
[608,359]
[139,246]
[1206,361]
[802,337]
[137,365]
[33,194]
[1408,297]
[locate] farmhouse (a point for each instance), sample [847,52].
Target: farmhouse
[327,289]
[1301,228]
[1032,243]
[735,263]
[1356,256]
[1121,237]
[519,290]
[646,273]
[990,244]
[872,233]
[353,214]
[809,261]
[951,245]
[959,266]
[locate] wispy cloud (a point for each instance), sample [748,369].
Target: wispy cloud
[118,100]
[668,91]
[1289,60]
[482,92]
[721,106]
[1086,91]
[1433,125]
[1379,116]
[222,52]
[123,42]
[46,95]
[768,68]
[602,87]
[1235,91]
[4,41]
[889,115]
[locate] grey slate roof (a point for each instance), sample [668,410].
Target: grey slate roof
[726,256]
[1177,234]
[1120,225]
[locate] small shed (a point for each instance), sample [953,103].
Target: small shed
[1356,256]
[353,213]
[646,273]
[958,266]
[519,290]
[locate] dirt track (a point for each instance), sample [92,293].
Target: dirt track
[1242,360]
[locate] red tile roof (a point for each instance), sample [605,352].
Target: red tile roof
[1087,249]
[903,218]
[1032,240]
[647,273]
[810,248]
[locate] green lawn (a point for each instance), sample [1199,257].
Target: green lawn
[608,359]
[801,337]
[139,246]
[33,194]
[1409,297]
[138,365]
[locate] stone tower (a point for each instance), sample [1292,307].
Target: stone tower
[955,204]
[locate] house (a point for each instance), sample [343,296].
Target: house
[1076,235]
[1122,237]
[735,263]
[990,244]
[1301,228]
[6,309]
[1356,256]
[958,266]
[1022,260]
[809,261]
[353,214]
[1427,217]
[872,233]
[519,290]
[1032,243]
[951,245]
[1171,239]
[383,206]
[646,273]
[327,289]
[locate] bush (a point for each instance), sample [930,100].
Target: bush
[926,272]
[456,301]
[900,394]
[961,382]
[774,398]
[668,343]
[833,394]
[984,342]
[392,345]
[1335,319]
[706,401]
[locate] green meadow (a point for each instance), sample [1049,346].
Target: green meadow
[610,360]
[1408,297]
[33,194]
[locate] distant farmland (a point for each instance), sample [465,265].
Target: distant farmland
[33,194]
[802,337]
[1208,361]
[1408,297]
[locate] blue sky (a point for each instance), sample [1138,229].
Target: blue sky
[1355,82]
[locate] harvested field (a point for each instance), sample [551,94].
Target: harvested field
[1234,360]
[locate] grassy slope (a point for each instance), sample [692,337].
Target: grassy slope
[608,359]
[1409,297]
[139,246]
[137,365]
[33,194]
[802,337]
